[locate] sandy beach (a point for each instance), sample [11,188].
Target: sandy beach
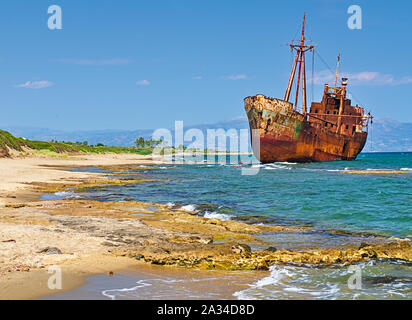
[17,172]
[16,178]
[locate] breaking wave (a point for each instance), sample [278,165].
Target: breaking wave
[215,215]
[380,280]
[112,294]
[67,194]
[274,166]
[189,207]
[61,195]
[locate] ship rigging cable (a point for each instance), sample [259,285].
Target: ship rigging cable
[313,73]
[332,72]
[371,136]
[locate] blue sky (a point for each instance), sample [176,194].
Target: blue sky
[143,64]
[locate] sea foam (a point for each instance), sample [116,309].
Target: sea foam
[215,215]
[189,207]
[67,195]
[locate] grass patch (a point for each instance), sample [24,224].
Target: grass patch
[8,141]
[49,154]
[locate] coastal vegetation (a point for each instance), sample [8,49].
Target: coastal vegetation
[141,142]
[8,143]
[52,148]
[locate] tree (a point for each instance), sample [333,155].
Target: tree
[140,142]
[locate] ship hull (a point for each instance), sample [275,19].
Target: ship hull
[284,134]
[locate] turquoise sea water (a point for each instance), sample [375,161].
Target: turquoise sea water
[314,194]
[323,196]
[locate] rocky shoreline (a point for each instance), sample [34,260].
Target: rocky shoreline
[38,234]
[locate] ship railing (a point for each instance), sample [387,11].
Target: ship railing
[361,119]
[334,91]
[317,118]
[316,115]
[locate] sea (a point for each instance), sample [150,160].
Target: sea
[362,199]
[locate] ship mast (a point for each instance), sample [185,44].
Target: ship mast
[337,71]
[300,48]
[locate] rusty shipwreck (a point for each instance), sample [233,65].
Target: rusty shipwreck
[332,129]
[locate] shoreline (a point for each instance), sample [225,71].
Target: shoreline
[21,187]
[100,237]
[162,282]
[34,284]
[15,180]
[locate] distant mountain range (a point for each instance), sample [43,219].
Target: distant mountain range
[385,135]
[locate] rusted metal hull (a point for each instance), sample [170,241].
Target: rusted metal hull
[285,135]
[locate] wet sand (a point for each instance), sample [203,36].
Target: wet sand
[148,282]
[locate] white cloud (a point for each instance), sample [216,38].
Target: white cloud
[35,84]
[235,77]
[143,83]
[404,80]
[361,78]
[97,62]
